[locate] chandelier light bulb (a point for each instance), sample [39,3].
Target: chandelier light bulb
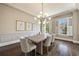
[49,18]
[39,22]
[46,14]
[38,16]
[41,12]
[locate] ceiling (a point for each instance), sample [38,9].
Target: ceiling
[50,8]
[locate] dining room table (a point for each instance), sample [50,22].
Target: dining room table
[39,41]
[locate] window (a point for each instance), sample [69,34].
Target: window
[47,27]
[65,26]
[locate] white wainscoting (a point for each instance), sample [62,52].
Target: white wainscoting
[10,38]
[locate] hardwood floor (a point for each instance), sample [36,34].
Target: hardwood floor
[64,48]
[11,50]
[60,48]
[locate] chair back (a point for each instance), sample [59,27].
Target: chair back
[48,41]
[24,44]
[53,38]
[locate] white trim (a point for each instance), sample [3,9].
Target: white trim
[9,43]
[76,42]
[65,39]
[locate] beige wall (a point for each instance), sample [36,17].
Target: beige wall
[75,26]
[78,25]
[8,17]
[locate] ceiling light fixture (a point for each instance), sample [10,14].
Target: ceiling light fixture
[44,18]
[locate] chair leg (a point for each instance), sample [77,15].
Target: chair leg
[35,52]
[29,53]
[47,51]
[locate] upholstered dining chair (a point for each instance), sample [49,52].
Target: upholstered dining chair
[26,47]
[53,39]
[47,44]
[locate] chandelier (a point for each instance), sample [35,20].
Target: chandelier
[43,16]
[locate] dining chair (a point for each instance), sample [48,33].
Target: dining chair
[47,44]
[53,39]
[26,47]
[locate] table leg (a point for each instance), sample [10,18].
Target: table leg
[41,47]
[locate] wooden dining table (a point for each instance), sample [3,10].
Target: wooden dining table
[38,40]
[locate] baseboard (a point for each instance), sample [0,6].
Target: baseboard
[64,39]
[77,42]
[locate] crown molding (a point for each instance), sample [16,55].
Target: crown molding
[27,12]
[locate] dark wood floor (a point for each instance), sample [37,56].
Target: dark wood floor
[63,48]
[60,48]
